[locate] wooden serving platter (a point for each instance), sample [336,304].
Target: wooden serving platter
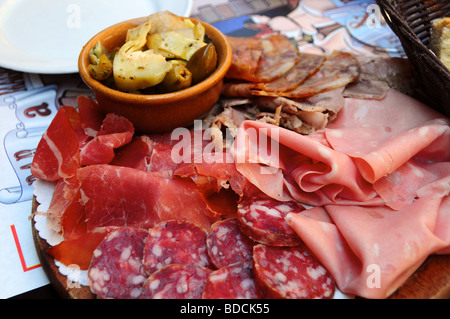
[430,281]
[64,288]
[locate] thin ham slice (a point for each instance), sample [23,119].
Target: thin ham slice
[298,167]
[115,131]
[90,115]
[402,126]
[375,253]
[57,154]
[66,215]
[136,154]
[378,178]
[123,196]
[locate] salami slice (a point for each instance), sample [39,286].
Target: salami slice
[116,269]
[290,273]
[263,221]
[176,282]
[227,244]
[175,242]
[234,281]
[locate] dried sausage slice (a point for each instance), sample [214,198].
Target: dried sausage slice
[234,281]
[245,58]
[227,244]
[278,57]
[175,242]
[116,269]
[263,221]
[308,65]
[261,59]
[338,70]
[291,273]
[176,282]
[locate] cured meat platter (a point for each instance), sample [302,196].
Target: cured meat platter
[309,207]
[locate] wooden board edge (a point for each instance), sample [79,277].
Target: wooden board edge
[65,289]
[430,281]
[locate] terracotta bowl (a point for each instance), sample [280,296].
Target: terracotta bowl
[156,113]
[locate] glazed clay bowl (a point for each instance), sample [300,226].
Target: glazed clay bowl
[157,113]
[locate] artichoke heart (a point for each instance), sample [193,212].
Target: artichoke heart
[174,43]
[101,67]
[139,70]
[137,36]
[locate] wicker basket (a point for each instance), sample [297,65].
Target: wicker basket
[411,22]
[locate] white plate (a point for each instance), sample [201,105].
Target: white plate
[46,36]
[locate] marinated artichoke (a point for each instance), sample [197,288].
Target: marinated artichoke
[101,66]
[155,54]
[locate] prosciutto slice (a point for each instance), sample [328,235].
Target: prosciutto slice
[378,181]
[122,196]
[114,132]
[57,154]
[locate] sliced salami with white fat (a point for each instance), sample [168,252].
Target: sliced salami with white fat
[227,244]
[290,273]
[234,281]
[263,220]
[175,242]
[176,282]
[116,269]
